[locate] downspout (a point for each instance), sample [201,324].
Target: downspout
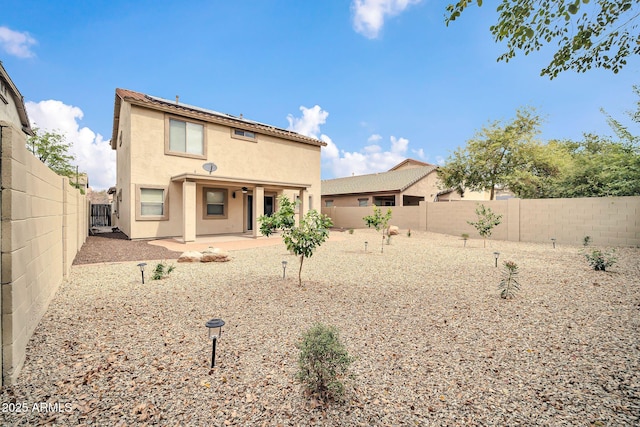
[1,281]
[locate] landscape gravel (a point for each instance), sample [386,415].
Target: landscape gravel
[434,342]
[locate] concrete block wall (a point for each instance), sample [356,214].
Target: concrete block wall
[609,221]
[44,223]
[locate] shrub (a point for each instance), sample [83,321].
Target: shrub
[161,271]
[586,240]
[409,233]
[509,285]
[600,260]
[323,362]
[351,231]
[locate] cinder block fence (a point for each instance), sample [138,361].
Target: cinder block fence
[610,221]
[44,224]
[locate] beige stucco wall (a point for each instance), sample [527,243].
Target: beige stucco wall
[44,222]
[142,162]
[611,221]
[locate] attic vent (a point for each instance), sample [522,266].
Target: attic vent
[177,99]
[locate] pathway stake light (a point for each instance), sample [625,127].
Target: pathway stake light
[284,269]
[365,246]
[496,255]
[214,327]
[141,266]
[553,240]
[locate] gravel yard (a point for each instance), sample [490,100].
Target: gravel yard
[435,344]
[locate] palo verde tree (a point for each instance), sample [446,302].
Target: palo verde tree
[588,34]
[378,221]
[303,239]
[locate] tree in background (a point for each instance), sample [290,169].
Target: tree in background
[52,150]
[487,220]
[500,154]
[600,34]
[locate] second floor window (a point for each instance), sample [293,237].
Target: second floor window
[185,137]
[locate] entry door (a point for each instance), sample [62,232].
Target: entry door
[269,206]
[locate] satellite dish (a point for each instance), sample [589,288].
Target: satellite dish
[209,167]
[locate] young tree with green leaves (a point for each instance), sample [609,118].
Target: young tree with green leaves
[302,240]
[487,220]
[378,221]
[52,150]
[596,34]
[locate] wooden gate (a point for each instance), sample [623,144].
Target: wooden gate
[100,215]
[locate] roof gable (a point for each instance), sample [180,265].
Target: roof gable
[394,180]
[174,107]
[409,163]
[18,100]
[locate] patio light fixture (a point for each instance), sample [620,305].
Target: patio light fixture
[214,327]
[141,267]
[284,269]
[553,240]
[245,190]
[496,255]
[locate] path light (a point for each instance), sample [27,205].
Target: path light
[553,240]
[141,266]
[214,335]
[284,269]
[496,255]
[365,246]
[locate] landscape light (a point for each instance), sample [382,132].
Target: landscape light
[365,246]
[284,269]
[553,240]
[214,335]
[141,266]
[496,255]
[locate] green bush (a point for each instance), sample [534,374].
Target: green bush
[600,260]
[509,285]
[161,271]
[323,362]
[586,240]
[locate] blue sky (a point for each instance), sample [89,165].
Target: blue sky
[378,80]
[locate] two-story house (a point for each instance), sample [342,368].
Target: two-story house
[185,171]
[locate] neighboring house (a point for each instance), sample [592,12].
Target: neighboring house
[12,109]
[165,183]
[452,195]
[406,184]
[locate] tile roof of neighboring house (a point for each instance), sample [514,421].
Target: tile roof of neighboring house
[18,100]
[394,180]
[212,116]
[410,162]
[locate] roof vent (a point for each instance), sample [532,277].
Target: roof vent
[177,99]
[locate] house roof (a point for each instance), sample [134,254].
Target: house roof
[409,162]
[18,100]
[211,116]
[393,180]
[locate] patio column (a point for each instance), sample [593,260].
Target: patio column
[304,204]
[189,211]
[258,209]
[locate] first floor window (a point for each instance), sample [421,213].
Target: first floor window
[328,203]
[151,202]
[363,202]
[215,202]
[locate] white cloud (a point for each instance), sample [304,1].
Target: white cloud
[16,43]
[419,154]
[93,154]
[369,15]
[371,158]
[374,138]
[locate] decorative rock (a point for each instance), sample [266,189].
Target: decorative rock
[214,255]
[393,230]
[190,256]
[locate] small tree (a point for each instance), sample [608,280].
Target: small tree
[378,221]
[487,220]
[323,361]
[302,240]
[509,285]
[306,237]
[283,219]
